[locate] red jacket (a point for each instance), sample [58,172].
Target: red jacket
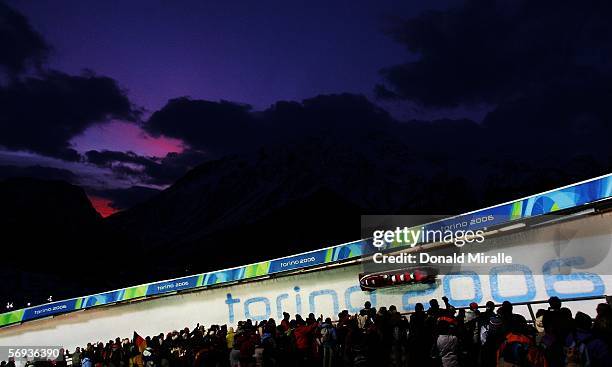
[285,324]
[303,335]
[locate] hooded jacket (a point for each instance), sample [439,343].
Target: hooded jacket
[447,348]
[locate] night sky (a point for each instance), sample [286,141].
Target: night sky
[238,51]
[234,50]
[90,88]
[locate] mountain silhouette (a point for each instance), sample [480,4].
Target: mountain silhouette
[51,236]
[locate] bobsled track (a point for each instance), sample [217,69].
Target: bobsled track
[566,255]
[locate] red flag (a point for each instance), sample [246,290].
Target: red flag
[139,342]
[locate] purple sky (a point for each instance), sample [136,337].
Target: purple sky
[252,52]
[244,51]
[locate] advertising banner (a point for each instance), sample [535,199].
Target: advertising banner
[549,202]
[579,269]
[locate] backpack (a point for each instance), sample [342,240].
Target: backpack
[489,329]
[577,353]
[325,335]
[514,349]
[361,321]
[515,353]
[520,350]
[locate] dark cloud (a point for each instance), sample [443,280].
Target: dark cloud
[20,45]
[43,110]
[493,51]
[40,172]
[215,129]
[568,117]
[42,114]
[123,198]
[107,158]
[544,69]
[226,127]
[215,126]
[327,113]
[123,164]
[173,166]
[149,170]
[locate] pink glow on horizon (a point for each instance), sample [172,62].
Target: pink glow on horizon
[122,136]
[102,206]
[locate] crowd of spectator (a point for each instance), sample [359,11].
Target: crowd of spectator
[440,336]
